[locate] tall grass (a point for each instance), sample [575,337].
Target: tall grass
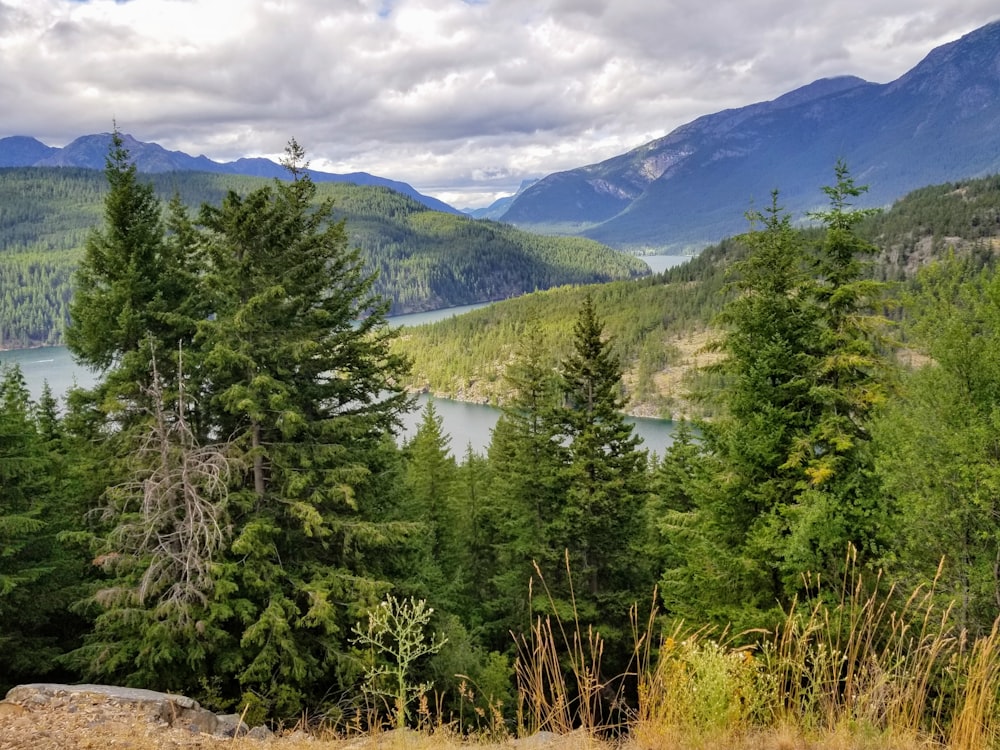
[869,667]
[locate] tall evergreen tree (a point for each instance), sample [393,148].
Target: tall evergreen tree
[802,370]
[39,577]
[431,479]
[291,367]
[526,491]
[937,449]
[599,523]
[843,503]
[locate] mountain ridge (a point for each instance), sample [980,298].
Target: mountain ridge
[90,151]
[939,121]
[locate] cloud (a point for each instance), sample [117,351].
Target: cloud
[465,98]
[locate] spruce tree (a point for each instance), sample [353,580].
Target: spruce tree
[39,576]
[431,478]
[599,523]
[296,357]
[289,371]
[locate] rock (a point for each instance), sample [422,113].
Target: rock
[231,725]
[11,709]
[260,733]
[172,710]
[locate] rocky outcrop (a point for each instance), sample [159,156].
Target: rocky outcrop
[115,703]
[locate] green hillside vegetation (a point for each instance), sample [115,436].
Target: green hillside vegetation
[655,322]
[425,259]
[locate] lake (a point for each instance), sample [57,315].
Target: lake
[472,424]
[660,263]
[468,424]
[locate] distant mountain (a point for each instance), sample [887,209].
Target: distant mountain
[498,207]
[89,152]
[938,122]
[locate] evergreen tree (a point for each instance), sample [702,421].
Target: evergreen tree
[525,494]
[290,367]
[937,452]
[766,348]
[794,482]
[843,503]
[431,483]
[117,296]
[39,577]
[599,523]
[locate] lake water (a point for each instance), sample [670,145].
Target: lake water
[660,263]
[472,424]
[468,424]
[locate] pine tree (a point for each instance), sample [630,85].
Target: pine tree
[296,357]
[283,361]
[793,484]
[431,479]
[843,504]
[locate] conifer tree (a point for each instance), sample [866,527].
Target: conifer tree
[599,523]
[526,491]
[39,577]
[843,503]
[431,479]
[290,368]
[802,370]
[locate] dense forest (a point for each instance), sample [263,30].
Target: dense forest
[227,513]
[425,259]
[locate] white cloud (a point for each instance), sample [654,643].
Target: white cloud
[463,99]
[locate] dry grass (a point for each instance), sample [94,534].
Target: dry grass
[869,670]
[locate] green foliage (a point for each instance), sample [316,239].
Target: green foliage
[396,637]
[937,443]
[598,520]
[288,369]
[803,368]
[39,575]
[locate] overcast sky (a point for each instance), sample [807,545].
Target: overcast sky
[461,98]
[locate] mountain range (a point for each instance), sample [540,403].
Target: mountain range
[938,122]
[89,152]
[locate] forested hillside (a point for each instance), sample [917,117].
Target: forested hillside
[426,259]
[655,322]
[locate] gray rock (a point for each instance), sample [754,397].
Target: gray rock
[260,733]
[173,710]
[232,725]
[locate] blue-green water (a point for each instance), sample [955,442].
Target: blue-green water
[468,424]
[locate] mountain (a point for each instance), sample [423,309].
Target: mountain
[89,152]
[938,122]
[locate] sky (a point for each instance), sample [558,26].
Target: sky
[463,99]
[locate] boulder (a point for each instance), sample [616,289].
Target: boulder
[166,708]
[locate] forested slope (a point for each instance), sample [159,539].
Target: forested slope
[425,259]
[651,319]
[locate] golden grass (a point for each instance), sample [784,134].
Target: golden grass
[870,669]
